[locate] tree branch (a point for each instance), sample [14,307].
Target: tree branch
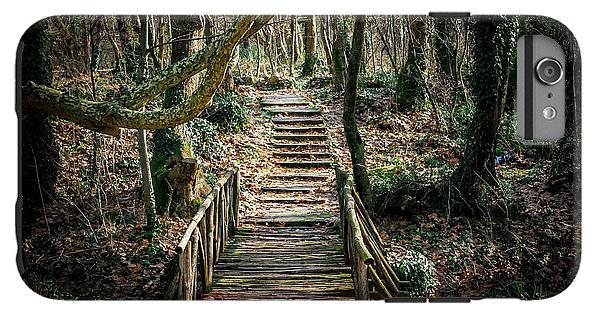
[127,112]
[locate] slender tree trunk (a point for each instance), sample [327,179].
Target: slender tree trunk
[147,187]
[326,43]
[355,142]
[293,45]
[258,57]
[228,83]
[282,45]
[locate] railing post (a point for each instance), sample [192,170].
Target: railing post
[205,238]
[218,225]
[362,283]
[194,265]
[210,221]
[236,199]
[204,251]
[222,220]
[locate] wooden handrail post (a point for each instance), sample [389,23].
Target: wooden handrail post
[363,248]
[236,199]
[205,238]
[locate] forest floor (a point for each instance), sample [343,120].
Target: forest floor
[524,245]
[89,244]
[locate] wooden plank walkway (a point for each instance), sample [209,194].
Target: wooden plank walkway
[290,248]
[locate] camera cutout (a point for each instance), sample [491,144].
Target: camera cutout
[540,90]
[549,71]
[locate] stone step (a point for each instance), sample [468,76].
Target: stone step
[290,188]
[290,220]
[294,110]
[295,120]
[319,137]
[299,145]
[300,129]
[293,200]
[301,154]
[284,102]
[306,176]
[304,164]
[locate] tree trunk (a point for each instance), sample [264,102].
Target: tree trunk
[445,50]
[338,53]
[293,45]
[493,58]
[172,146]
[228,83]
[39,152]
[355,142]
[409,90]
[326,42]
[152,223]
[310,57]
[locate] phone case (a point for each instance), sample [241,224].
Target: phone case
[290,157]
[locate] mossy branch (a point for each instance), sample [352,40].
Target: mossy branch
[127,111]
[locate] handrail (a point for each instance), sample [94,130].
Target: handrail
[372,275]
[205,237]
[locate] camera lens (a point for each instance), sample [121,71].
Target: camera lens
[549,71]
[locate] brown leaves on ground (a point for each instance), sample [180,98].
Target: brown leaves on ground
[527,249]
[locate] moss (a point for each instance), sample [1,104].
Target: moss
[419,271]
[197,202]
[228,111]
[159,172]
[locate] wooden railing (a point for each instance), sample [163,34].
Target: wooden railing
[372,274]
[205,238]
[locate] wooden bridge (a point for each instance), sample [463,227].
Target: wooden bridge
[290,248]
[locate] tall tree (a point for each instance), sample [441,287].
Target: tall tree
[338,53]
[40,156]
[355,142]
[172,146]
[310,45]
[147,187]
[493,59]
[409,86]
[293,45]
[325,41]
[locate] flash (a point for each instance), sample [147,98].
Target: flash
[549,113]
